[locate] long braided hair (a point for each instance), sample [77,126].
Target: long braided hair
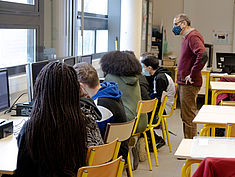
[56,133]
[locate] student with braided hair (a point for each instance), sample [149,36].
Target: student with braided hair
[53,142]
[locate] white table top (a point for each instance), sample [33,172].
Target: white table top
[184,149]
[212,114]
[203,147]
[8,157]
[8,145]
[222,86]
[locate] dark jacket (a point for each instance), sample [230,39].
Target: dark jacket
[163,82]
[109,96]
[92,114]
[27,167]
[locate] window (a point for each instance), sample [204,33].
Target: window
[21,33]
[21,1]
[94,6]
[95,34]
[17,46]
[88,42]
[101,41]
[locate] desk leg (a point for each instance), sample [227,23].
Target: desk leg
[207,87]
[213,97]
[187,166]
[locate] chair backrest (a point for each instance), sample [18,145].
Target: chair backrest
[230,130]
[110,169]
[97,155]
[145,106]
[162,107]
[122,131]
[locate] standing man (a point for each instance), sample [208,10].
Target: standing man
[192,59]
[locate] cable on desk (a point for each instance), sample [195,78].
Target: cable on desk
[11,108]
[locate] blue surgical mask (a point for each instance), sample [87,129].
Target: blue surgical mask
[176,30]
[143,71]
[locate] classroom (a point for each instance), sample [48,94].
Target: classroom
[118,87]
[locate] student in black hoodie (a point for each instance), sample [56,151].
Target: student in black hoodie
[160,81]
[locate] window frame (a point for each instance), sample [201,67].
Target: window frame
[19,8]
[23,16]
[92,22]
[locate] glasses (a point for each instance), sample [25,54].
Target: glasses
[177,23]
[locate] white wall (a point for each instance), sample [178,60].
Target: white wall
[206,16]
[163,12]
[212,16]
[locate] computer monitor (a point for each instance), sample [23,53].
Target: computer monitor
[32,71]
[226,62]
[70,61]
[4,90]
[86,58]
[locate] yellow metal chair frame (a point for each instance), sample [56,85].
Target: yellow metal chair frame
[146,106]
[152,126]
[164,117]
[110,169]
[97,155]
[121,126]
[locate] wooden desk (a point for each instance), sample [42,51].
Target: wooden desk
[8,157]
[221,87]
[213,116]
[206,150]
[219,75]
[8,145]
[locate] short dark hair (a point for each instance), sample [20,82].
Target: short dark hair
[87,74]
[184,17]
[120,63]
[150,60]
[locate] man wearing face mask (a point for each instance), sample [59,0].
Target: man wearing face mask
[192,59]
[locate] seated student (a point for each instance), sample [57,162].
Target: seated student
[53,142]
[107,97]
[162,81]
[124,68]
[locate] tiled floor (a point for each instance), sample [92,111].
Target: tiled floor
[169,166]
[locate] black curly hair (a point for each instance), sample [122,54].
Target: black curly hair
[121,63]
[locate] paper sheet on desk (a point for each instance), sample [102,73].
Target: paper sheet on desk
[203,147]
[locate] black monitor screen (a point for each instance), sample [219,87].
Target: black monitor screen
[4,90]
[86,58]
[70,61]
[226,62]
[36,68]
